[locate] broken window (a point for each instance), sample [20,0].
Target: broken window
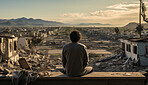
[128,47]
[147,50]
[123,46]
[135,49]
[15,46]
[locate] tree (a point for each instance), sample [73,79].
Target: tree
[117,30]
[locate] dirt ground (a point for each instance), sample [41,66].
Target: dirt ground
[88,51]
[94,43]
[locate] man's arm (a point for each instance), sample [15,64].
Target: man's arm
[86,58]
[63,59]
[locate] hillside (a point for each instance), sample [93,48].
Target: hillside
[28,22]
[92,24]
[133,25]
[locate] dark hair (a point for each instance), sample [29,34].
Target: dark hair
[75,36]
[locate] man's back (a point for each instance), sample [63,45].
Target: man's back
[74,58]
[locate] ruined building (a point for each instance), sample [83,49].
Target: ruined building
[136,49]
[8,48]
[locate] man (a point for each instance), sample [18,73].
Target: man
[74,57]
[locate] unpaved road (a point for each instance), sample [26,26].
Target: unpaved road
[99,51]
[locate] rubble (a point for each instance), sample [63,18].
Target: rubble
[116,63]
[97,64]
[3,70]
[43,63]
[108,58]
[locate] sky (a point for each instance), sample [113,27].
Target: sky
[115,12]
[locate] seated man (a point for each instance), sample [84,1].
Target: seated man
[74,57]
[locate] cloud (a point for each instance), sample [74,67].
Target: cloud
[97,13]
[79,15]
[124,6]
[112,14]
[117,10]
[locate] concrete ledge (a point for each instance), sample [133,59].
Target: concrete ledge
[95,78]
[104,74]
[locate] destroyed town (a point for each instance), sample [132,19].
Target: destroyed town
[116,40]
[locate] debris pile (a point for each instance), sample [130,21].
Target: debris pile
[42,63]
[116,63]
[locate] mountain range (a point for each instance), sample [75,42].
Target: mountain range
[39,22]
[133,25]
[92,24]
[28,22]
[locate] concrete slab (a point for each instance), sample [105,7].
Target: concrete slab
[95,78]
[115,74]
[106,74]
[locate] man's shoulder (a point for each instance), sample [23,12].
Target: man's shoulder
[74,44]
[67,44]
[82,45]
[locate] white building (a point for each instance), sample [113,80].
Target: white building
[8,48]
[136,49]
